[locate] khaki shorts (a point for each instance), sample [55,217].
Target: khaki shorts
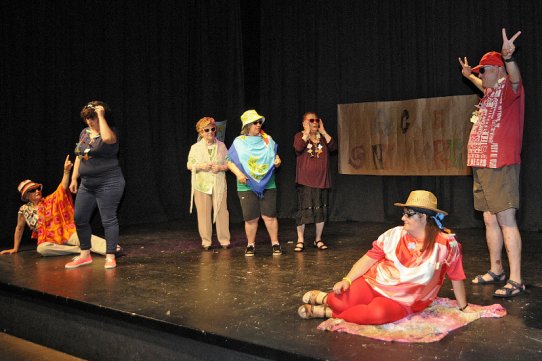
[496,189]
[252,206]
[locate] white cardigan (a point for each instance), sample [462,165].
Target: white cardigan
[201,155]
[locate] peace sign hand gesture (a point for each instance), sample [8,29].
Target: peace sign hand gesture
[508,46]
[466,68]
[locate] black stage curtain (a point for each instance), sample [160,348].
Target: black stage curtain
[317,54]
[161,65]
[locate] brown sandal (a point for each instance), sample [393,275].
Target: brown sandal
[312,311]
[315,297]
[299,247]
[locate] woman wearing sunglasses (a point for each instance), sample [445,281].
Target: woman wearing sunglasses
[312,146]
[402,274]
[207,162]
[253,158]
[50,219]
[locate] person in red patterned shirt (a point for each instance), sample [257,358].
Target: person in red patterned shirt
[402,274]
[494,154]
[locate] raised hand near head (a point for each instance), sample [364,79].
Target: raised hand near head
[68,164]
[508,46]
[466,69]
[100,111]
[321,127]
[306,128]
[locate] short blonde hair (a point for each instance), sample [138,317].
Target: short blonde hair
[203,122]
[244,130]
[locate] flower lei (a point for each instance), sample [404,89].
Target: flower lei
[476,114]
[80,150]
[264,136]
[315,149]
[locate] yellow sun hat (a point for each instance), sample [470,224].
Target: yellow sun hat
[250,116]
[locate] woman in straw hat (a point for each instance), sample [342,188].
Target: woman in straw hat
[401,274]
[253,158]
[207,162]
[50,219]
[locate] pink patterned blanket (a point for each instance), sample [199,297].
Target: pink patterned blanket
[431,325]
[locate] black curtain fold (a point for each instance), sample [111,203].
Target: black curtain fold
[160,66]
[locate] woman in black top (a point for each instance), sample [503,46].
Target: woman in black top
[102,182]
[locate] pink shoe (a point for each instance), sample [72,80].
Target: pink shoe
[78,261]
[110,263]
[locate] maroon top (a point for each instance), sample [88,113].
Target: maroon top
[313,171]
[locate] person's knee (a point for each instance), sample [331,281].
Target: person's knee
[110,222]
[252,221]
[42,249]
[490,220]
[268,219]
[507,218]
[379,313]
[77,219]
[109,216]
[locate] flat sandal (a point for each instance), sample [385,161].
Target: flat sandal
[320,245]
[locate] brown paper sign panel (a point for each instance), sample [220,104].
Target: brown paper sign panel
[408,137]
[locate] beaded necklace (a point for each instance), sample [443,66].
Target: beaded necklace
[314,148]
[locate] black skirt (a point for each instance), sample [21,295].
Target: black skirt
[311,205]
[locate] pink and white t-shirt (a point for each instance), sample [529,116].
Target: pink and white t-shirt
[495,139]
[408,277]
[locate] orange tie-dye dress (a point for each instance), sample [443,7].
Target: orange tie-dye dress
[55,218]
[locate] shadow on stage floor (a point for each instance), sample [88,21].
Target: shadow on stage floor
[166,286]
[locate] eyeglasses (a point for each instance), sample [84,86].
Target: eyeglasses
[317,120]
[483,69]
[256,122]
[409,213]
[207,130]
[33,190]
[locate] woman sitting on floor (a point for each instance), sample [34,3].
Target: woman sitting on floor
[402,274]
[50,219]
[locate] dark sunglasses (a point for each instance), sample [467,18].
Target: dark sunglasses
[33,190]
[207,130]
[482,70]
[256,122]
[317,120]
[409,213]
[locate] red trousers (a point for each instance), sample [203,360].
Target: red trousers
[362,305]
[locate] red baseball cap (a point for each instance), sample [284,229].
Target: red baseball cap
[492,58]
